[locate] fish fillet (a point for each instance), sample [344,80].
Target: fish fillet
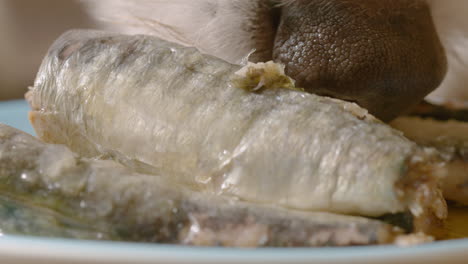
[164,109]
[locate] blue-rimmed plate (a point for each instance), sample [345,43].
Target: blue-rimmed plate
[15,114]
[39,250]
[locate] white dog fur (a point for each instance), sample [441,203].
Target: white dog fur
[218,27]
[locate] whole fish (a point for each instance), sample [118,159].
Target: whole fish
[218,128]
[47,190]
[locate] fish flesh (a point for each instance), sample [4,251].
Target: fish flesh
[449,137]
[45,189]
[164,109]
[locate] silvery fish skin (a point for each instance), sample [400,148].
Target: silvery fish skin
[47,190]
[21,217]
[169,110]
[450,138]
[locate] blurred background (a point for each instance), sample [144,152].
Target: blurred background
[27,28]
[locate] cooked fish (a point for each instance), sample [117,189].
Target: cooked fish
[450,137]
[47,190]
[25,217]
[164,109]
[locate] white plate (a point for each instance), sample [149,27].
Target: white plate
[39,250]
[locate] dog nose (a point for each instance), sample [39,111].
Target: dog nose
[384,55]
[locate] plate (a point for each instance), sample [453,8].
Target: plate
[15,114]
[41,250]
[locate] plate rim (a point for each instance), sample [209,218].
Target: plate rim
[115,251]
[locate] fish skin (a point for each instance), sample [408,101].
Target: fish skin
[54,192]
[19,217]
[165,109]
